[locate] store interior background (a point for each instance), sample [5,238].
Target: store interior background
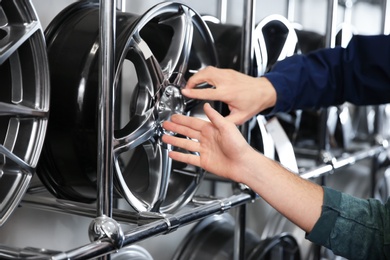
[33,228]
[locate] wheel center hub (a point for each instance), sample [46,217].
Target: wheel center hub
[171,103]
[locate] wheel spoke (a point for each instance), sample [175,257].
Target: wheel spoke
[144,59]
[12,132]
[144,175]
[176,59]
[22,164]
[139,129]
[14,35]
[187,172]
[160,170]
[7,109]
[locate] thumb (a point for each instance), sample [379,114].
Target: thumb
[216,118]
[236,118]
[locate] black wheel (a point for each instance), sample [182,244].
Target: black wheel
[155,54]
[213,238]
[24,100]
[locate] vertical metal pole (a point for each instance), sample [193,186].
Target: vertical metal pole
[222,10]
[106,95]
[379,109]
[330,34]
[290,10]
[121,5]
[385,17]
[247,38]
[247,54]
[239,233]
[247,50]
[330,38]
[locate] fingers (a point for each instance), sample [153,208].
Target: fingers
[191,126]
[205,93]
[186,144]
[183,143]
[185,158]
[204,75]
[216,118]
[180,129]
[187,121]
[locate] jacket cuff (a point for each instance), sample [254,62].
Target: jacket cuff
[330,212]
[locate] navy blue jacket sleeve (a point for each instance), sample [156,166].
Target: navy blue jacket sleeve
[359,74]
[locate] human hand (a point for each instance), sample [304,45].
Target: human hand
[223,151]
[221,147]
[246,96]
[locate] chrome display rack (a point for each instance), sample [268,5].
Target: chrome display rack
[105,232]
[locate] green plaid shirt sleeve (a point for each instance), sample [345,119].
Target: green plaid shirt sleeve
[352,227]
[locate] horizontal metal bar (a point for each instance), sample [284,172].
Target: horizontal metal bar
[317,171]
[345,160]
[357,156]
[103,246]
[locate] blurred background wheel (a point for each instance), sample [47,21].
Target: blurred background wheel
[24,100]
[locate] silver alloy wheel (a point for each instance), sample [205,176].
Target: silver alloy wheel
[24,100]
[158,98]
[155,54]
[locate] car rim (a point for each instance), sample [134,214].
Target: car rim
[160,50]
[24,100]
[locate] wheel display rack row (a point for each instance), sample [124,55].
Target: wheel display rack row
[105,231]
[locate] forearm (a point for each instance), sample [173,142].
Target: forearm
[298,199]
[359,74]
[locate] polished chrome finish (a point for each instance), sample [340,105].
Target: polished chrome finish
[357,156]
[246,67]
[105,227]
[24,100]
[160,100]
[17,34]
[317,171]
[155,55]
[171,102]
[106,106]
[102,247]
[334,164]
[330,34]
[144,229]
[247,38]
[157,103]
